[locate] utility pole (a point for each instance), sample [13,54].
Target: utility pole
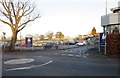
[106,7]
[105,30]
[20,41]
[4,39]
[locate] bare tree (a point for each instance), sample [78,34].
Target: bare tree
[42,37]
[36,36]
[49,35]
[17,15]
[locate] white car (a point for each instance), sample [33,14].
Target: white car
[81,43]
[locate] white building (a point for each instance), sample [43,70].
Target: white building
[111,21]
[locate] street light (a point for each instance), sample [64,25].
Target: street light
[4,33]
[4,40]
[4,37]
[105,29]
[20,41]
[106,6]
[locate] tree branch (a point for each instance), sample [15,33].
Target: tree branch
[5,14]
[29,20]
[13,10]
[30,11]
[3,4]
[22,28]
[8,24]
[5,22]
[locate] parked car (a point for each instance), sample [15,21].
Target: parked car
[48,45]
[59,43]
[81,43]
[22,44]
[5,46]
[37,44]
[72,43]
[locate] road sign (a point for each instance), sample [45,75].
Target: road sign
[28,41]
[102,39]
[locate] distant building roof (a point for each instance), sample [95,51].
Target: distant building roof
[115,9]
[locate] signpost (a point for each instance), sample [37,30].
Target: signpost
[103,41]
[28,41]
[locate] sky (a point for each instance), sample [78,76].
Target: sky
[71,17]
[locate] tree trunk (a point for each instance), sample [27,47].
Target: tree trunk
[13,41]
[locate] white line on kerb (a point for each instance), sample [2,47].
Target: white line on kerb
[23,68]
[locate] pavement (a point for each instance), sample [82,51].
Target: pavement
[0,64]
[0,60]
[94,53]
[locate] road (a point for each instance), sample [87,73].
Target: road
[71,62]
[0,60]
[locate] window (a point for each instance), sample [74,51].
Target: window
[115,30]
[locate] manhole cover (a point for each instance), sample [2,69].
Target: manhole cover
[19,61]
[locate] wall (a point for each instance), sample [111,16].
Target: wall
[113,44]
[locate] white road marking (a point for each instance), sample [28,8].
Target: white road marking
[78,56]
[85,56]
[63,54]
[66,51]
[71,51]
[19,61]
[26,68]
[44,64]
[70,54]
[20,68]
[39,56]
[55,53]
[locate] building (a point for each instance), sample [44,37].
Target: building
[111,25]
[111,22]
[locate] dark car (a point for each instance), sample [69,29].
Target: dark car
[48,45]
[72,43]
[5,46]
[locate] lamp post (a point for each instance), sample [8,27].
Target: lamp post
[106,6]
[20,41]
[105,52]
[4,40]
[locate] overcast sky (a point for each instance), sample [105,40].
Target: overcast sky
[71,17]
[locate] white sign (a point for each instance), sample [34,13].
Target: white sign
[104,36]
